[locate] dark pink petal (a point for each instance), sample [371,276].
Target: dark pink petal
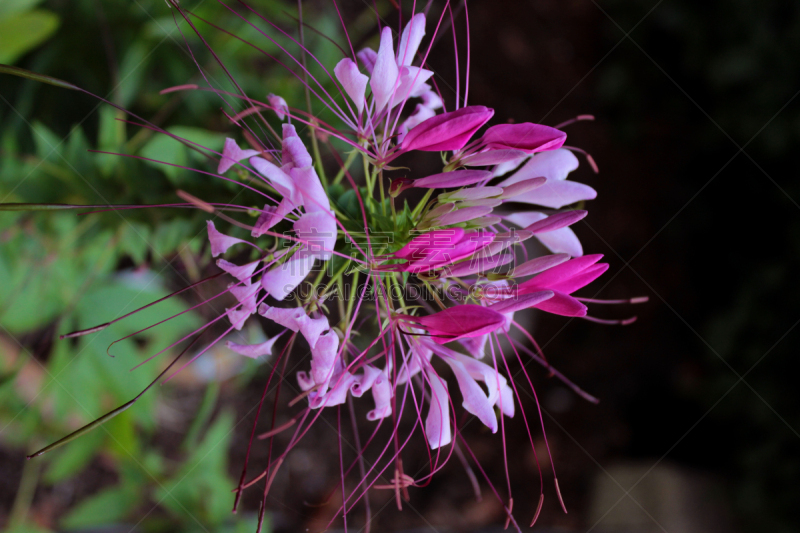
[456,178]
[219,241]
[560,273]
[420,114]
[461,321]
[540,264]
[582,279]
[520,302]
[423,245]
[479,264]
[563,304]
[437,423]
[465,247]
[556,221]
[527,137]
[448,131]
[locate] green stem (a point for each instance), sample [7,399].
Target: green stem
[345,167]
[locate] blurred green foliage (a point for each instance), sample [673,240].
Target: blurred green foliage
[63,271]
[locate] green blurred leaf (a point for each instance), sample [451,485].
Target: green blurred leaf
[10,7]
[23,31]
[107,507]
[72,459]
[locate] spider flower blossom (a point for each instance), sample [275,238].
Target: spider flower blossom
[436,268]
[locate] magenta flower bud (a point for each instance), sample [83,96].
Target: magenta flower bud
[461,321]
[557,221]
[528,137]
[448,131]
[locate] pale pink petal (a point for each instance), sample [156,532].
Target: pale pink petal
[476,346]
[520,187]
[304,381]
[317,231]
[553,165]
[245,294]
[418,356]
[293,149]
[508,166]
[219,241]
[284,278]
[448,131]
[482,202]
[253,350]
[312,328]
[340,385]
[471,193]
[506,401]
[382,395]
[456,178]
[288,317]
[431,99]
[437,423]
[557,194]
[280,180]
[237,317]
[368,57]
[410,39]
[271,216]
[279,105]
[364,381]
[492,157]
[527,136]
[504,240]
[463,215]
[384,75]
[240,272]
[411,83]
[353,81]
[307,182]
[420,114]
[563,241]
[232,154]
[475,400]
[323,359]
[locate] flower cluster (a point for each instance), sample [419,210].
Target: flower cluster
[458,236]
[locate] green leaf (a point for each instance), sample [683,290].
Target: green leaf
[23,31]
[10,7]
[73,459]
[107,507]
